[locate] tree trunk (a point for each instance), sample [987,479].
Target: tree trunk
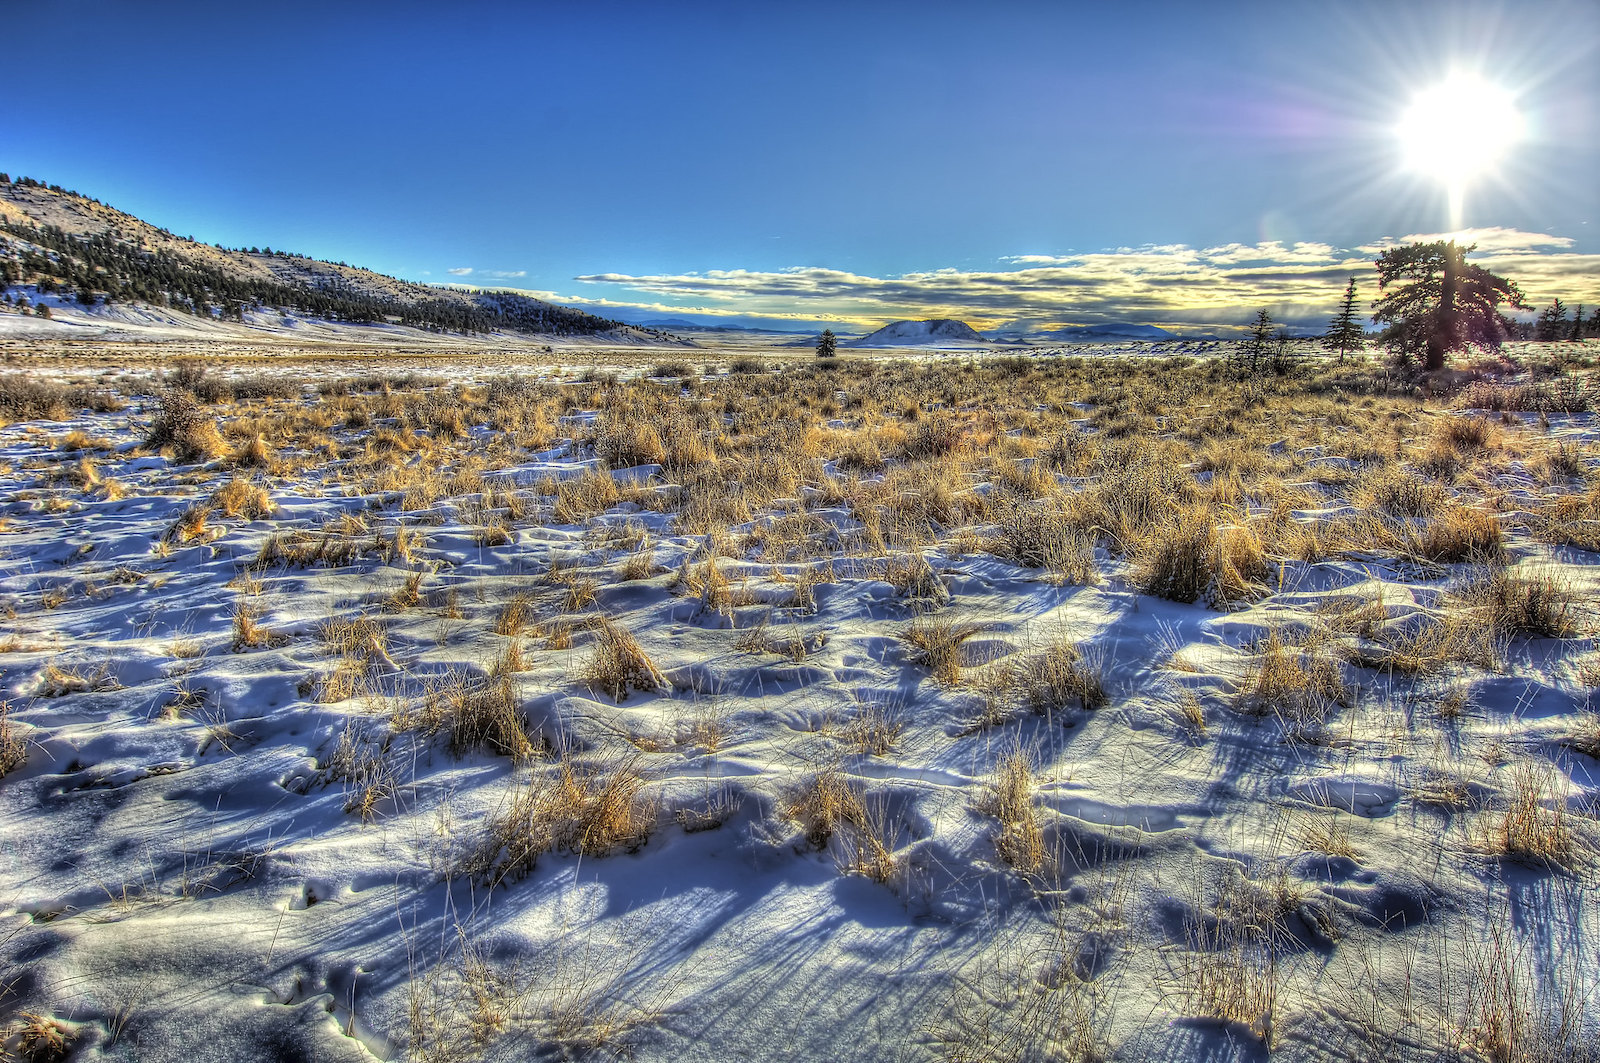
[1441,338]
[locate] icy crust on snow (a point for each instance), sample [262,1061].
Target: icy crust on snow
[191,884]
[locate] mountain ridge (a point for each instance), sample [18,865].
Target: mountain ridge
[74,243]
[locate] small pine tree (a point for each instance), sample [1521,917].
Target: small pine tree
[1593,327]
[1282,353]
[1345,333]
[1255,347]
[1551,320]
[1576,334]
[827,345]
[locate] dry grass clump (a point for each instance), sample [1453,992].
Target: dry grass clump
[1540,605]
[1529,831]
[181,425]
[585,496]
[590,810]
[621,442]
[514,616]
[1231,970]
[1298,684]
[1009,799]
[1457,533]
[1327,834]
[935,642]
[638,565]
[1572,520]
[1560,463]
[1398,492]
[1519,1011]
[476,713]
[707,582]
[874,728]
[617,663]
[1048,682]
[253,453]
[191,525]
[35,1038]
[359,637]
[249,633]
[1583,735]
[407,596]
[1190,558]
[1047,536]
[13,750]
[239,498]
[364,770]
[829,805]
[1431,646]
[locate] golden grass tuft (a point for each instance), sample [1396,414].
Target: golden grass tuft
[239,498]
[248,631]
[828,805]
[514,616]
[183,428]
[1009,799]
[36,1038]
[592,810]
[191,525]
[13,750]
[617,663]
[1541,605]
[935,643]
[1048,682]
[1298,684]
[1534,826]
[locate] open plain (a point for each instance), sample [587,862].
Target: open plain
[662,703]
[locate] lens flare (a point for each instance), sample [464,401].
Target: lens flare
[1456,131]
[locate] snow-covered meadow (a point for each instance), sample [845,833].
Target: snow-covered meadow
[1034,708]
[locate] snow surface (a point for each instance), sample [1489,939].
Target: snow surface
[190,885]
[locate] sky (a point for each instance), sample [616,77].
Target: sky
[1014,165]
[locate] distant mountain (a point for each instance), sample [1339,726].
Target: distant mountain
[1113,330]
[63,242]
[939,332]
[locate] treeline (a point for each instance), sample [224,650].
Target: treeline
[109,268]
[103,267]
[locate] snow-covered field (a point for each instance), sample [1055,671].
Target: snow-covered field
[904,710]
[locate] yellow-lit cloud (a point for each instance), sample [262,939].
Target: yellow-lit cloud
[1171,285]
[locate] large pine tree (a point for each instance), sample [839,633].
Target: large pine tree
[1436,302]
[1345,333]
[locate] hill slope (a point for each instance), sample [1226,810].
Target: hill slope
[64,242]
[938,332]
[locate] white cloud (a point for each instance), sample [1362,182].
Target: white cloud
[502,272]
[1170,284]
[1488,240]
[460,271]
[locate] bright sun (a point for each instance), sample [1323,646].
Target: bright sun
[1458,129]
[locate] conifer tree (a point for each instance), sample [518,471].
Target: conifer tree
[1345,333]
[1254,348]
[1436,302]
[1551,321]
[827,345]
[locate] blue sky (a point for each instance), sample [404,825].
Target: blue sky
[1041,164]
